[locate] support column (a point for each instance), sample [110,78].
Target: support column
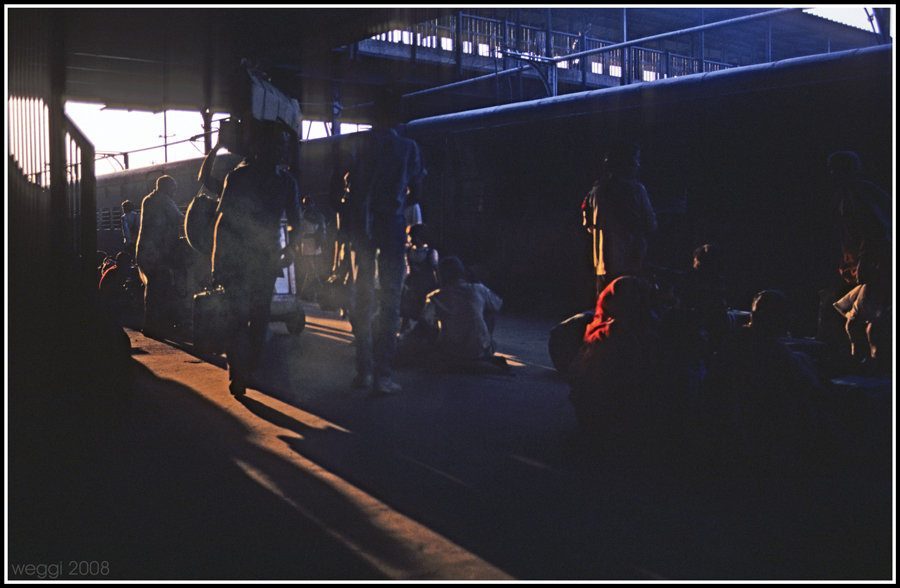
[336,108]
[548,42]
[553,78]
[207,129]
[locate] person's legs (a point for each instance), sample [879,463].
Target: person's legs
[362,309]
[157,302]
[390,277]
[260,311]
[237,344]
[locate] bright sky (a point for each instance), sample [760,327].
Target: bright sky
[118,131]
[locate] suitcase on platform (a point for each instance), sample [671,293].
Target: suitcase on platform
[210,314]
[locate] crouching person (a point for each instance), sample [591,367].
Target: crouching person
[614,376]
[457,322]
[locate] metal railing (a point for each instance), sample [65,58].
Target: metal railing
[626,61]
[497,39]
[51,164]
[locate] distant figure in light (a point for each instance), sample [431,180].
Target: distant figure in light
[158,252]
[131,225]
[619,215]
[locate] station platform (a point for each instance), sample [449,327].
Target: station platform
[472,476]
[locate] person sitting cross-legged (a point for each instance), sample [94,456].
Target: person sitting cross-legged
[457,323]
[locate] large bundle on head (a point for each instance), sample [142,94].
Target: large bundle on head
[256,100]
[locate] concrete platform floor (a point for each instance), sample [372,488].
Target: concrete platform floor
[460,476]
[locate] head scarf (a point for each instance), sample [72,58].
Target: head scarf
[623,305]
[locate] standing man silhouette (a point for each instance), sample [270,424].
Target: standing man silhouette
[385,174]
[619,215]
[156,256]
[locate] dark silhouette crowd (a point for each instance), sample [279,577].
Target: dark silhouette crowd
[663,367]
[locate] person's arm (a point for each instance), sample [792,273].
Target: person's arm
[417,173]
[587,210]
[493,302]
[342,158]
[207,166]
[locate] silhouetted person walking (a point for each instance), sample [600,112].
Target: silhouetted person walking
[247,255]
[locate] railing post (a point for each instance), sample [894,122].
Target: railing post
[702,42]
[553,78]
[626,65]
[583,61]
[59,231]
[505,43]
[457,45]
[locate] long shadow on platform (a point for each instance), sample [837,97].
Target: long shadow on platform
[484,461]
[156,487]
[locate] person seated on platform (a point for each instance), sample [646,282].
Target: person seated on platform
[613,379]
[868,310]
[120,289]
[457,323]
[421,276]
[761,401]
